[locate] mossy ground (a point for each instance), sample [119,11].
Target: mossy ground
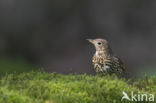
[41,87]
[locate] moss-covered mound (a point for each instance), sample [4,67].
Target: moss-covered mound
[40,87]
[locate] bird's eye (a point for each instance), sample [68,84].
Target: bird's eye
[99,43]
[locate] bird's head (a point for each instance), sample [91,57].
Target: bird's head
[101,45]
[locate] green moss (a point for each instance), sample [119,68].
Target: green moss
[41,87]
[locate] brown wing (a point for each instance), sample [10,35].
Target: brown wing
[122,66]
[117,66]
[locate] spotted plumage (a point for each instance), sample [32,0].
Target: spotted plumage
[104,60]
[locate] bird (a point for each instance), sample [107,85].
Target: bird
[104,61]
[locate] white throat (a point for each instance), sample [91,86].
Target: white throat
[98,52]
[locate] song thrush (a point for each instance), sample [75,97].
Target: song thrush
[104,61]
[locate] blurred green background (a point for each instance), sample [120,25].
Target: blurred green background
[52,34]
[14,66]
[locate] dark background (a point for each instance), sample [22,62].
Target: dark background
[51,34]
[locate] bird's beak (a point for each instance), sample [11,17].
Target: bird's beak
[90,40]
